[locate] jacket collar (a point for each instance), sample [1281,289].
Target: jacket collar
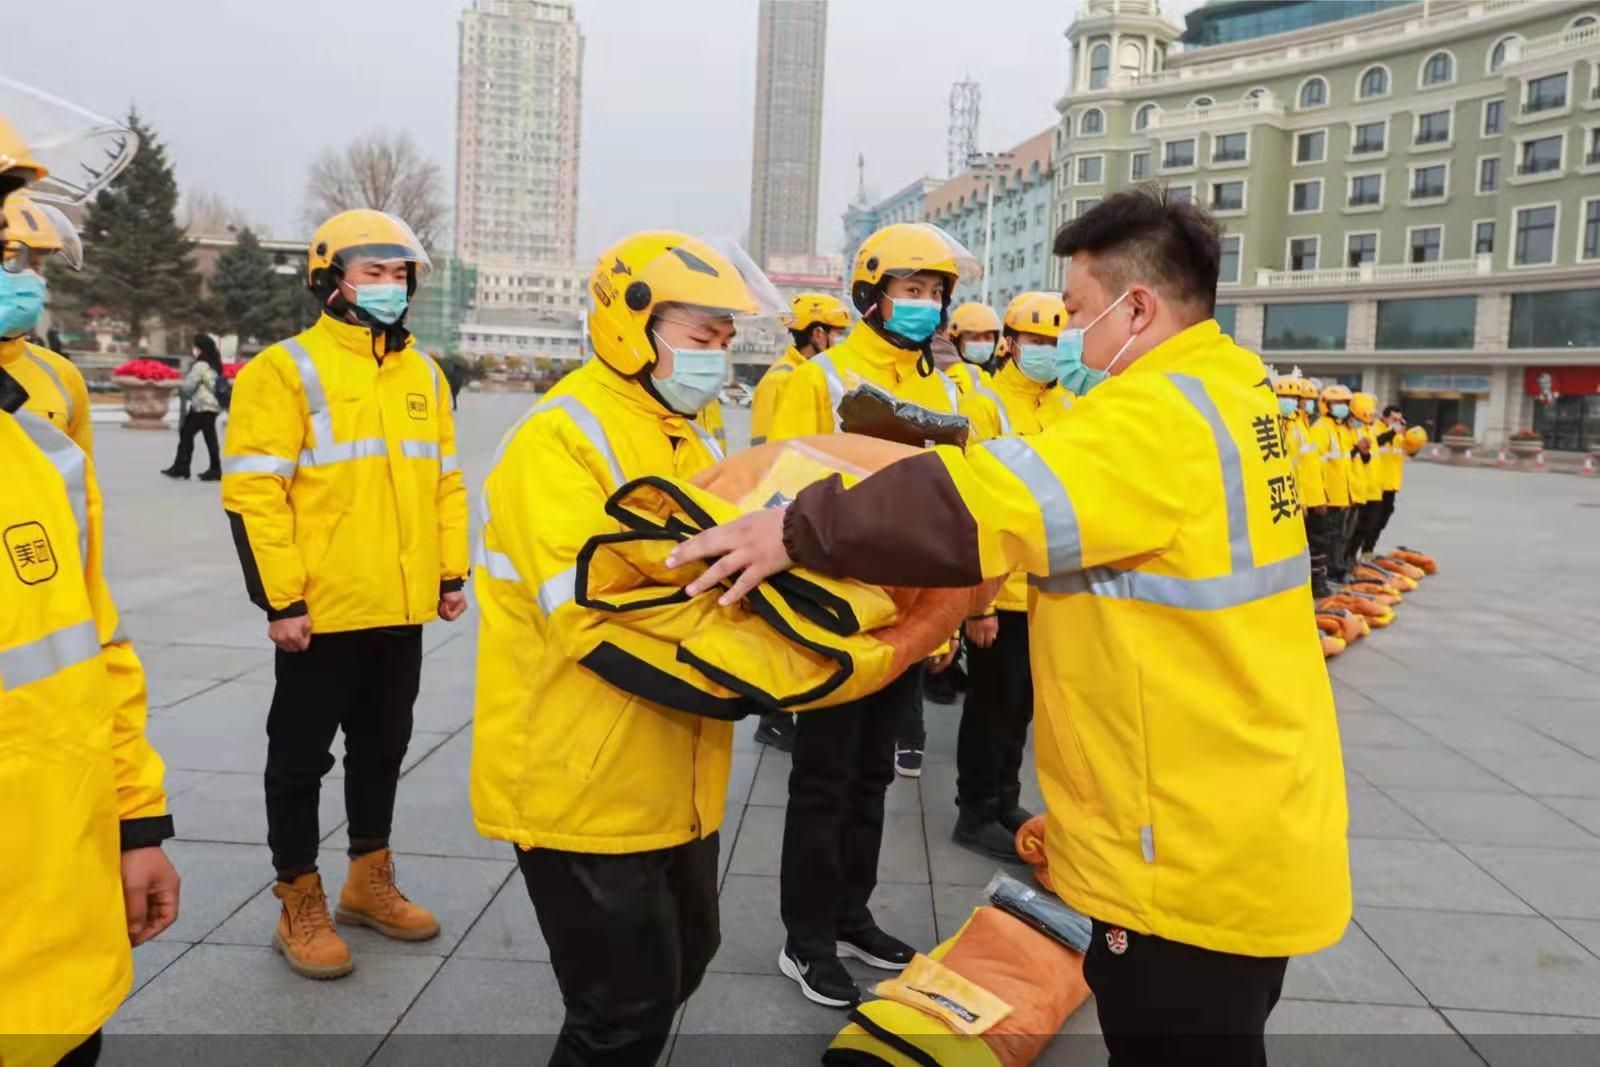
[11,350]
[1178,349]
[870,347]
[636,399]
[354,338]
[1011,379]
[793,358]
[12,394]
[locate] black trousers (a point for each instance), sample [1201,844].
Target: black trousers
[86,1054]
[204,423]
[1162,1003]
[630,937]
[994,719]
[1375,516]
[843,767]
[1321,533]
[363,682]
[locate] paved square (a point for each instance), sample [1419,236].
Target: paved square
[1472,740]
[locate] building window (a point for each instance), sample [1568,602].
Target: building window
[1094,122]
[1203,101]
[1429,183]
[1439,69]
[1226,316]
[1180,194]
[1546,94]
[1306,196]
[1178,154]
[1375,82]
[1130,59]
[1440,322]
[1369,137]
[1313,93]
[1433,128]
[1494,117]
[1227,196]
[1139,168]
[1311,146]
[1592,159]
[1230,148]
[1141,118]
[1305,327]
[1541,155]
[1489,175]
[1099,66]
[1497,55]
[1582,21]
[1366,190]
[1589,248]
[1228,270]
[1426,243]
[1361,249]
[1084,206]
[1564,318]
[1091,170]
[1303,253]
[1483,238]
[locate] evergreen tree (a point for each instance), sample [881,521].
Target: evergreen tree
[247,290]
[137,261]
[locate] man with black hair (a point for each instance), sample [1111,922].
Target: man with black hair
[1185,734]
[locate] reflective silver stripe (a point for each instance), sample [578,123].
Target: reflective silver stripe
[70,462]
[419,449]
[311,386]
[1147,843]
[591,429]
[835,384]
[754,441]
[66,397]
[706,439]
[344,452]
[1063,541]
[284,468]
[557,591]
[985,391]
[1239,549]
[434,367]
[496,565]
[449,463]
[950,390]
[48,655]
[1192,594]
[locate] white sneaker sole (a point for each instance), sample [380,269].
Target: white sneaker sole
[791,970]
[845,948]
[907,772]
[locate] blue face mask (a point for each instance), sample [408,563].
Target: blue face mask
[384,301]
[1311,407]
[1287,406]
[978,352]
[1070,368]
[1037,362]
[915,320]
[21,302]
[1339,411]
[696,378]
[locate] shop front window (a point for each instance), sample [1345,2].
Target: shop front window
[1446,322]
[1568,423]
[1227,316]
[1306,327]
[1562,318]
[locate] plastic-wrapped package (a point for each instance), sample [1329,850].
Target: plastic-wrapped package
[872,412]
[1040,910]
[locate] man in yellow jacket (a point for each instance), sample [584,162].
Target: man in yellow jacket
[1021,398]
[82,874]
[1335,443]
[1185,731]
[614,802]
[1293,392]
[344,493]
[974,332]
[845,758]
[55,387]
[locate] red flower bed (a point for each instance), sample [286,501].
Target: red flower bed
[147,370]
[230,371]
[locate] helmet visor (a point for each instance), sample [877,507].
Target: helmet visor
[71,247]
[750,296]
[965,263]
[83,151]
[394,241]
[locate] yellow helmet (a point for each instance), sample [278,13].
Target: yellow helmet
[362,234]
[1364,406]
[16,159]
[905,248]
[639,274]
[1413,439]
[1035,312]
[817,309]
[43,229]
[973,317]
[1334,394]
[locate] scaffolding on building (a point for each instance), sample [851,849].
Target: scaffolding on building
[962,140]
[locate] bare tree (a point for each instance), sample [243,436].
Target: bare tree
[208,214]
[382,170]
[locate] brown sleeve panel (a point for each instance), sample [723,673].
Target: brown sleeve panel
[905,525]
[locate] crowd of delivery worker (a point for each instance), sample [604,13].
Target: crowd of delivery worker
[1136,489]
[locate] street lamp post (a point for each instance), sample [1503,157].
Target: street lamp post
[989,164]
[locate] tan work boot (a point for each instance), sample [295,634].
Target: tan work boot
[310,945]
[370,898]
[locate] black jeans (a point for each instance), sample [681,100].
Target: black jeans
[86,1054]
[205,424]
[365,683]
[994,719]
[630,937]
[843,767]
[1375,516]
[1320,534]
[1165,1003]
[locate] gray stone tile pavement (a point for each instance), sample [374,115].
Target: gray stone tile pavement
[1472,741]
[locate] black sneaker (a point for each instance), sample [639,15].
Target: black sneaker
[777,730]
[1013,817]
[823,981]
[908,762]
[176,475]
[876,949]
[985,836]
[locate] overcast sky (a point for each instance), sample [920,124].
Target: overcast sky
[246,93]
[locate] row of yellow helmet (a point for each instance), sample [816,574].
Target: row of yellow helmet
[1363,406]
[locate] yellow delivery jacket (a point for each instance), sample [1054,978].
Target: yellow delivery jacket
[55,388]
[769,391]
[966,376]
[341,482]
[1307,462]
[560,758]
[811,399]
[1334,440]
[78,781]
[1184,724]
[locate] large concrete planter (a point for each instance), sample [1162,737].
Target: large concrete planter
[146,402]
[1529,455]
[1460,449]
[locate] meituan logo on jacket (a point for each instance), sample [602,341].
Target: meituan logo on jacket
[32,555]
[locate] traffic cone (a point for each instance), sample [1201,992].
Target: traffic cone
[1589,467]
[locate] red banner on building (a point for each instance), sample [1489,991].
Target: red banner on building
[1561,381]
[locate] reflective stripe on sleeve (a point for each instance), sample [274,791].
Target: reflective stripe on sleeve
[706,439]
[1063,541]
[70,462]
[591,428]
[835,385]
[496,565]
[344,452]
[311,387]
[49,655]
[1240,551]
[994,398]
[419,449]
[950,390]
[283,468]
[557,591]
[61,387]
[449,463]
[1193,594]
